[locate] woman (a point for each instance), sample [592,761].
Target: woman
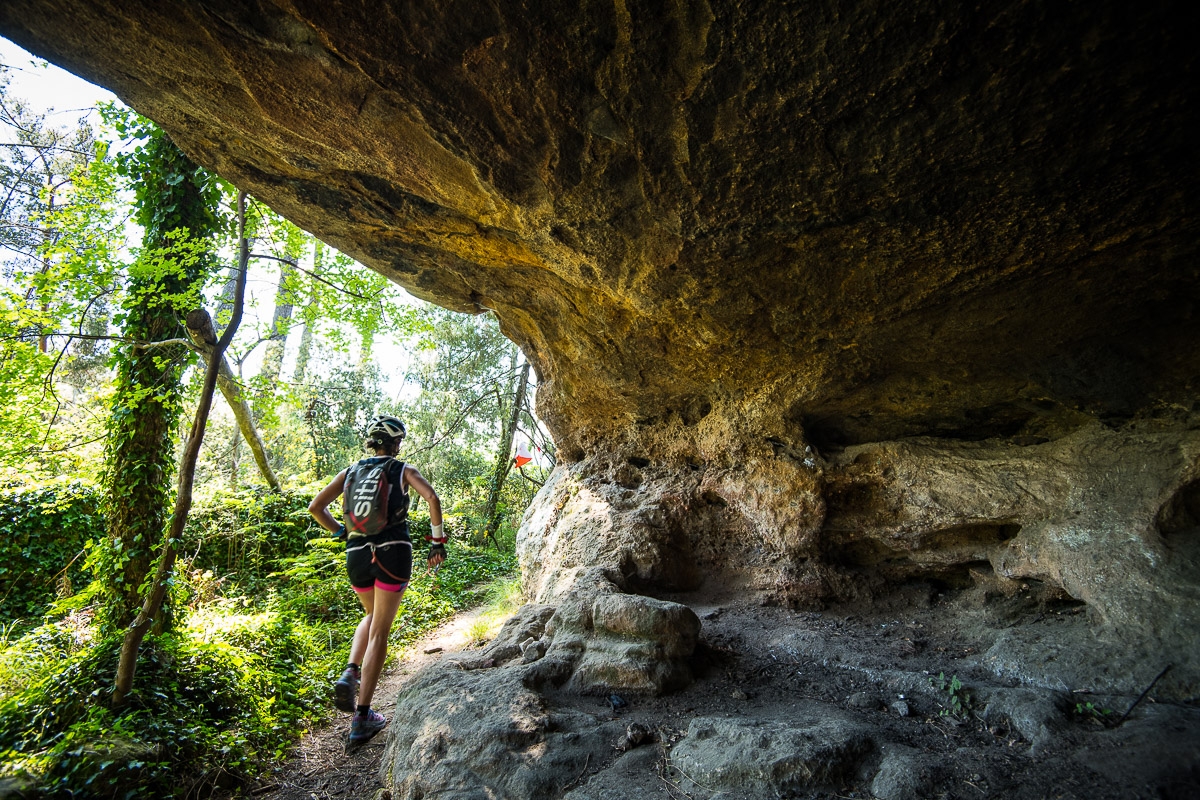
[379,564]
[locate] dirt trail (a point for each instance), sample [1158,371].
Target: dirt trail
[321,767]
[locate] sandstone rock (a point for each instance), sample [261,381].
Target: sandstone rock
[529,622]
[866,225]
[636,761]
[767,758]
[450,737]
[532,650]
[673,626]
[819,303]
[1071,654]
[1036,715]
[902,775]
[1080,515]
[637,644]
[1159,753]
[601,639]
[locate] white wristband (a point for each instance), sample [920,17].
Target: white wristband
[437,535]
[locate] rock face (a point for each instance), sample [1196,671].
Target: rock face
[836,223]
[823,298]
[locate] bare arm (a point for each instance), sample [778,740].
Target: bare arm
[319,507]
[417,481]
[413,477]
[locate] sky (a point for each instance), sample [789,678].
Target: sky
[47,87]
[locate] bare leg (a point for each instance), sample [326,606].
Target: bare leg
[386,604]
[358,645]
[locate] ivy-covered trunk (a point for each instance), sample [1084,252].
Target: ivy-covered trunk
[175,207]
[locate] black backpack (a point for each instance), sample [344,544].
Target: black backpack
[366,495]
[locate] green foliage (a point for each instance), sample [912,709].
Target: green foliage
[158,170]
[242,533]
[23,659]
[219,699]
[23,373]
[58,239]
[44,529]
[457,585]
[1091,712]
[957,702]
[336,408]
[312,584]
[501,598]
[466,373]
[208,709]
[175,201]
[266,613]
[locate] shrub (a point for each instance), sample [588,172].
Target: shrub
[202,712]
[242,533]
[219,699]
[44,529]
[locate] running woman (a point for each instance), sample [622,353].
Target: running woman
[379,566]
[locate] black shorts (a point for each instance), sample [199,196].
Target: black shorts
[383,560]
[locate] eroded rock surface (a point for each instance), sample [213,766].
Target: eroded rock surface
[832,223]
[773,756]
[776,709]
[829,303]
[1097,520]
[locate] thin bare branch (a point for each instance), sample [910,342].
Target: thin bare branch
[315,276]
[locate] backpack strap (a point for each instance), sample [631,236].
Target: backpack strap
[397,482]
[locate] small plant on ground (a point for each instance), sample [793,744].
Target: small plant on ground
[1090,712]
[958,700]
[501,598]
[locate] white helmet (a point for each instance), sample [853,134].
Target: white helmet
[385,429]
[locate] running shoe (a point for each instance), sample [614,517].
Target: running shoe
[345,689]
[363,727]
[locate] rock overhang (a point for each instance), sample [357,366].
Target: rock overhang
[841,224]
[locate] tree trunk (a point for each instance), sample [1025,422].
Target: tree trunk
[235,449]
[307,336]
[236,399]
[198,320]
[140,451]
[273,355]
[504,455]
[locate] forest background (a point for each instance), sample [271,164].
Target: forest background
[109,240]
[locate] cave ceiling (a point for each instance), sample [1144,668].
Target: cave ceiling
[841,221]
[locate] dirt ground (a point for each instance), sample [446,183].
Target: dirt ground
[876,666]
[323,765]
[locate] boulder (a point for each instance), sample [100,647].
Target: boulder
[767,758]
[482,735]
[638,644]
